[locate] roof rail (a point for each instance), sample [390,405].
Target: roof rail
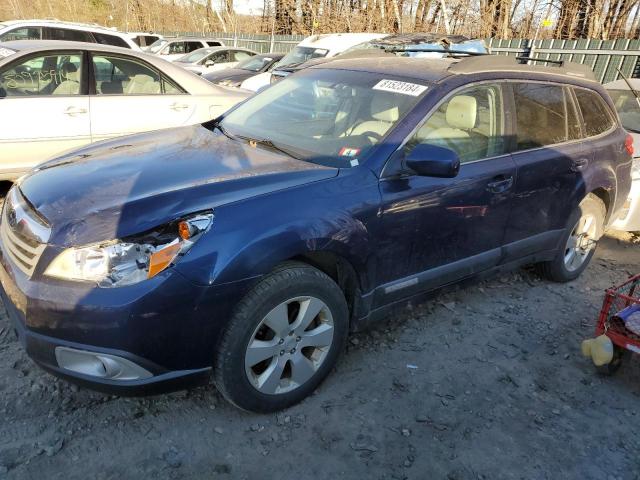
[492,63]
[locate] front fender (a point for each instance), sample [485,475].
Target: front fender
[249,238]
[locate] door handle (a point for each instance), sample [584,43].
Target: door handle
[579,164]
[73,111]
[178,106]
[500,184]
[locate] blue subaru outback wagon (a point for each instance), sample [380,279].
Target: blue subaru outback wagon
[244,250]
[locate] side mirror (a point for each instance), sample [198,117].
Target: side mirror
[209,63]
[433,161]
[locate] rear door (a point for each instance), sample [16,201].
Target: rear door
[129,96]
[550,157]
[45,109]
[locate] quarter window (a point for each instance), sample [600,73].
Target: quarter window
[44,75]
[106,39]
[470,123]
[541,117]
[594,112]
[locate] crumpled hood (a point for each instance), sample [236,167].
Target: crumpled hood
[131,184]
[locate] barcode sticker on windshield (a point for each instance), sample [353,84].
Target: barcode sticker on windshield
[404,88]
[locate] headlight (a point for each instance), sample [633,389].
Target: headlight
[635,169]
[124,262]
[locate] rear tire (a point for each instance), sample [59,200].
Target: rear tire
[284,338]
[578,244]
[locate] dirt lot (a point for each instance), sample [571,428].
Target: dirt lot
[485,382]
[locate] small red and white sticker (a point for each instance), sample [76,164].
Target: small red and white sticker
[348,152]
[405,88]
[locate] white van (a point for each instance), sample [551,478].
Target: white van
[56,30]
[315,46]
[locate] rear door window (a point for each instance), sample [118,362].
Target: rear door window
[70,35]
[541,115]
[192,46]
[239,55]
[595,113]
[214,44]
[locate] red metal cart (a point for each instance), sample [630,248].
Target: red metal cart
[617,299]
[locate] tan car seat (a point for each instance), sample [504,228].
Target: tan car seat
[461,117]
[142,84]
[71,83]
[384,112]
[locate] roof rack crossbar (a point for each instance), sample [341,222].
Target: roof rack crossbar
[432,50]
[531,59]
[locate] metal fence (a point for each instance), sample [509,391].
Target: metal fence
[605,57]
[257,42]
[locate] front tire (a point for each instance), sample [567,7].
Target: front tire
[578,244]
[284,338]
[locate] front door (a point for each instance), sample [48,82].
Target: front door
[131,97]
[44,110]
[438,230]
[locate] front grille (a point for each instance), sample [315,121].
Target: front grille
[23,234]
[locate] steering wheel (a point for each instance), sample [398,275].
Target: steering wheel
[371,135]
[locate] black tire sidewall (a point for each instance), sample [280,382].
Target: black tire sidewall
[230,376]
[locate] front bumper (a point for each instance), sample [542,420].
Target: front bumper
[628,219]
[167,325]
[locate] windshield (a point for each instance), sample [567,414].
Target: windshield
[301,55]
[195,56]
[156,46]
[628,109]
[254,64]
[330,117]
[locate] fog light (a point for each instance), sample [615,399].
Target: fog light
[99,365]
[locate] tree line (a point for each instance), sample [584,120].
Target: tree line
[564,19]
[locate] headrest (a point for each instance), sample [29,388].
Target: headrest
[461,112]
[70,72]
[384,108]
[137,83]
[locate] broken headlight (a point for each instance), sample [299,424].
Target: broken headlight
[123,262]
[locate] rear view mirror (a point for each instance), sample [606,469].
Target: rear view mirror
[433,161]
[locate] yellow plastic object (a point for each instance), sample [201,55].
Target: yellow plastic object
[599,349]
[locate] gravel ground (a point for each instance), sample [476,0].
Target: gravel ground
[483,382]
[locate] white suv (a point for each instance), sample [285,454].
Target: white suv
[56,30]
[173,48]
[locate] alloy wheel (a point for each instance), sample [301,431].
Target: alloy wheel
[580,243]
[289,345]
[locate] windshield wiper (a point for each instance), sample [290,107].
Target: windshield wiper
[265,142]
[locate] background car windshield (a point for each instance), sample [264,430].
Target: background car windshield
[302,54]
[628,109]
[195,56]
[330,117]
[157,45]
[253,64]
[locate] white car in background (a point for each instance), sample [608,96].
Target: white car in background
[210,59]
[173,48]
[315,46]
[13,30]
[628,108]
[56,96]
